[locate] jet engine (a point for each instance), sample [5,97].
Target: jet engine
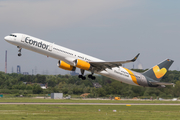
[82,64]
[65,66]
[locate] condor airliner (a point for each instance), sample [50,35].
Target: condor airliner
[70,60]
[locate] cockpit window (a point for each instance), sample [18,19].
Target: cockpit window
[12,35]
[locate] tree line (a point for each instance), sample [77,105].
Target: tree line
[66,84]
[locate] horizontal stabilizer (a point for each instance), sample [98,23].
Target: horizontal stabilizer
[161,83]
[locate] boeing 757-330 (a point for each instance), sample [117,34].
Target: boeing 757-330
[70,60]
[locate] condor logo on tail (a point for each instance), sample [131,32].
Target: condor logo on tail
[159,72]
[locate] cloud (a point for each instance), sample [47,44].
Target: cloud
[54,13]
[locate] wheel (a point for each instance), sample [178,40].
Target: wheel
[19,54]
[83,78]
[89,76]
[93,78]
[80,76]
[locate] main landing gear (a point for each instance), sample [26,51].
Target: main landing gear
[89,76]
[92,77]
[19,54]
[81,76]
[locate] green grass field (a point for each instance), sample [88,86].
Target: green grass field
[88,112]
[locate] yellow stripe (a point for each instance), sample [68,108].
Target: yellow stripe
[132,75]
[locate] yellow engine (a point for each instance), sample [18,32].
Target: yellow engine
[65,66]
[82,64]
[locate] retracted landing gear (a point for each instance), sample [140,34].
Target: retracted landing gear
[19,54]
[81,76]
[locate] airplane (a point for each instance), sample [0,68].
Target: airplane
[70,60]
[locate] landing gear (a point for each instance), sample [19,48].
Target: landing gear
[89,76]
[81,76]
[92,77]
[19,54]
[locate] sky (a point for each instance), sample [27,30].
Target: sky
[111,30]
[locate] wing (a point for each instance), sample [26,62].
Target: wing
[161,83]
[99,66]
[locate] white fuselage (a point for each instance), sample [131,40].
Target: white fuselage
[68,56]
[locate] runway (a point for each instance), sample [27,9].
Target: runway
[6,103]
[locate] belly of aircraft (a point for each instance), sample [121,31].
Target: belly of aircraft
[127,76]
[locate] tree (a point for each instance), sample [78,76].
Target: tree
[37,89]
[177,89]
[101,92]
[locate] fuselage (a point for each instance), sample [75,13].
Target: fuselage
[69,56]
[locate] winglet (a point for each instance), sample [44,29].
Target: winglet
[134,59]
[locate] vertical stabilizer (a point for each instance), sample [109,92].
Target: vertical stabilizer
[158,71]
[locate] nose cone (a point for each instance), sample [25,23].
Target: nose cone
[7,38]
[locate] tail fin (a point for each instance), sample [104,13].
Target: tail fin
[158,71]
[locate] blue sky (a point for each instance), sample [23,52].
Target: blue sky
[112,30]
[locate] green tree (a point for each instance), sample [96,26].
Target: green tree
[37,89]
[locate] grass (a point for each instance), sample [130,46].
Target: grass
[40,100]
[88,112]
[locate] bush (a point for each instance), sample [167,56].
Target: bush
[37,89]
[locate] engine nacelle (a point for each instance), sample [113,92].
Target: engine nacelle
[65,66]
[82,64]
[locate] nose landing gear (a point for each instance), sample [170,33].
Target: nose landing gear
[19,54]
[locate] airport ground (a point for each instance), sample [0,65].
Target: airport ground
[89,112]
[80,109]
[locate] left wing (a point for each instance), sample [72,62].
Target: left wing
[99,66]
